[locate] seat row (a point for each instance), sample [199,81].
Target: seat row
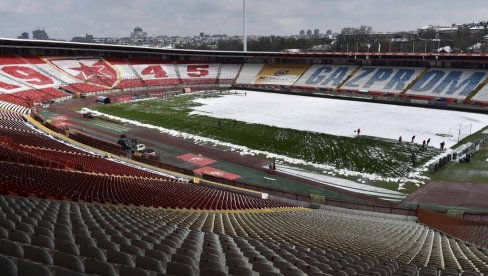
[45,237]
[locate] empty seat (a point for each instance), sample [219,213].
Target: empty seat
[141,244]
[211,272]
[46,223]
[120,240]
[7,267]
[270,273]
[27,268]
[237,262]
[164,248]
[132,271]
[180,269]
[68,261]
[41,230]
[293,272]
[470,273]
[24,227]
[108,245]
[61,271]
[156,254]
[11,248]
[262,267]
[7,224]
[99,267]
[43,241]
[93,253]
[3,233]
[62,235]
[240,271]
[66,246]
[149,264]
[213,265]
[85,241]
[37,254]
[119,258]
[19,236]
[130,249]
[183,259]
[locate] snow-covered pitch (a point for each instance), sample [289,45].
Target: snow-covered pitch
[342,117]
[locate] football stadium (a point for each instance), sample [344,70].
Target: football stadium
[128,160]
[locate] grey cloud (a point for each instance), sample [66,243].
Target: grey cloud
[67,18]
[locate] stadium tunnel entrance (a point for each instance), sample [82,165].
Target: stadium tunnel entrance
[103,100]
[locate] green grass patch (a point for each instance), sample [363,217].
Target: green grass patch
[362,154]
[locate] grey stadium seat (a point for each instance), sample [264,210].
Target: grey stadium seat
[7,266]
[68,261]
[99,267]
[37,254]
[27,268]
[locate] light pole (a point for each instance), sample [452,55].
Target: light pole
[244,42]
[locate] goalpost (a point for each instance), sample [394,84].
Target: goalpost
[460,131]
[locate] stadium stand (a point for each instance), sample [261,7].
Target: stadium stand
[448,83]
[198,73]
[156,74]
[37,79]
[48,69]
[482,93]
[280,74]
[12,98]
[56,236]
[228,73]
[27,82]
[248,73]
[91,70]
[48,181]
[87,163]
[35,164]
[14,107]
[326,77]
[126,74]
[382,79]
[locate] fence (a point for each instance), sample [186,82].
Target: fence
[96,143]
[159,164]
[473,232]
[312,198]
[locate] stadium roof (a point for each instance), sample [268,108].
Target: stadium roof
[19,44]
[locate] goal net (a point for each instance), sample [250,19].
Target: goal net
[459,132]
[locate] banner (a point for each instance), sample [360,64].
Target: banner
[281,74]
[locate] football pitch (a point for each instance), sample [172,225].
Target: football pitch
[319,132]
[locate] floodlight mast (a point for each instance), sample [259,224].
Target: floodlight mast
[244,42]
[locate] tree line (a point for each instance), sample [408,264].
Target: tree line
[363,39]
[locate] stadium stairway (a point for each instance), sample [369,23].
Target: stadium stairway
[414,81]
[348,77]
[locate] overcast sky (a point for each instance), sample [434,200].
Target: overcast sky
[64,19]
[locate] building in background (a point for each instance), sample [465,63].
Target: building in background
[87,39]
[138,35]
[40,34]
[24,35]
